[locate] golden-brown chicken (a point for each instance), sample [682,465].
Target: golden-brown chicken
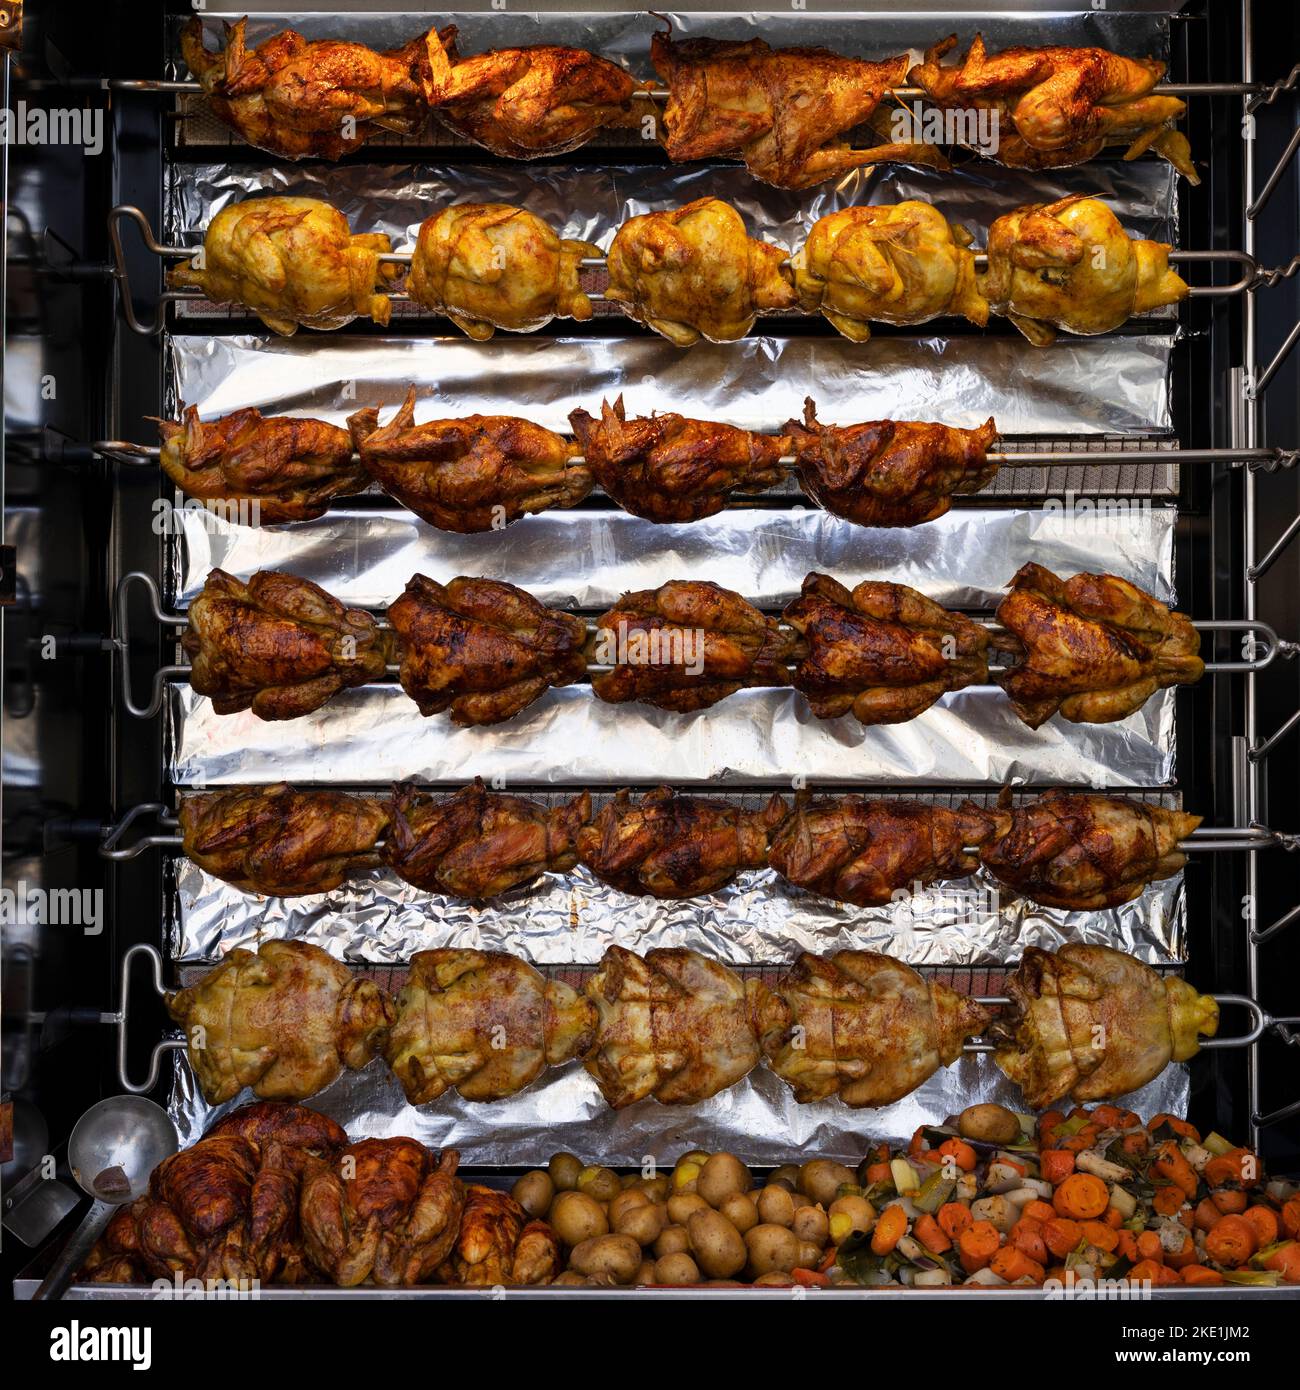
[674,846]
[889,472]
[1094,1023]
[477,844]
[1055,106]
[1087,852]
[280,841]
[382,1209]
[869,852]
[278,645]
[477,473]
[1093,647]
[283,467]
[284,1020]
[526,103]
[904,264]
[482,648]
[883,652]
[693,272]
[667,468]
[686,645]
[499,1245]
[1070,265]
[292,261]
[303,99]
[863,1027]
[482,1023]
[489,266]
[673,1025]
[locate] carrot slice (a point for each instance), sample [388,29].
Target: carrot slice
[890,1229]
[977,1245]
[1081,1197]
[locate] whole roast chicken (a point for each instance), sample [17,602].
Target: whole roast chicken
[498,1245]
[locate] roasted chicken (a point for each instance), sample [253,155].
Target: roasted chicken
[673,1025]
[482,648]
[872,852]
[1093,1023]
[284,1020]
[889,472]
[904,264]
[280,841]
[884,652]
[292,261]
[686,645]
[278,645]
[477,473]
[672,846]
[1055,106]
[482,1023]
[489,266]
[498,1245]
[1087,852]
[1093,648]
[310,100]
[667,468]
[863,1027]
[1070,265]
[693,272]
[479,843]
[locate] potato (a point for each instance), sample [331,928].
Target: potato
[575,1217]
[994,1124]
[740,1210]
[534,1192]
[658,1188]
[810,1255]
[775,1206]
[699,1157]
[718,1247]
[601,1183]
[678,1268]
[774,1279]
[627,1199]
[822,1178]
[646,1274]
[644,1223]
[564,1170]
[787,1175]
[685,1176]
[682,1205]
[721,1177]
[849,1214]
[672,1240]
[811,1225]
[619,1257]
[771,1248]
[569,1279]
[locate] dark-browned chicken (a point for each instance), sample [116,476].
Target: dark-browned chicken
[278,645]
[527,103]
[1094,1023]
[867,852]
[482,648]
[480,843]
[1085,851]
[382,1209]
[686,645]
[483,1023]
[667,468]
[883,652]
[499,1245]
[863,1027]
[889,472]
[281,841]
[673,846]
[477,473]
[1093,648]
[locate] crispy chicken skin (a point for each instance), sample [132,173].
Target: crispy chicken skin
[278,645]
[863,851]
[280,841]
[1094,1023]
[479,843]
[666,468]
[1070,265]
[674,1026]
[686,645]
[284,1020]
[490,265]
[482,648]
[904,264]
[499,1245]
[694,272]
[475,473]
[303,99]
[889,472]
[1057,106]
[294,262]
[1093,648]
[290,467]
[884,652]
[1085,851]
[673,846]
[482,1023]
[529,103]
[863,1027]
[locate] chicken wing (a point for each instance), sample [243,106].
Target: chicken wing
[499,1246]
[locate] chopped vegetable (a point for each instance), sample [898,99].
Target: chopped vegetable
[1081,1197]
